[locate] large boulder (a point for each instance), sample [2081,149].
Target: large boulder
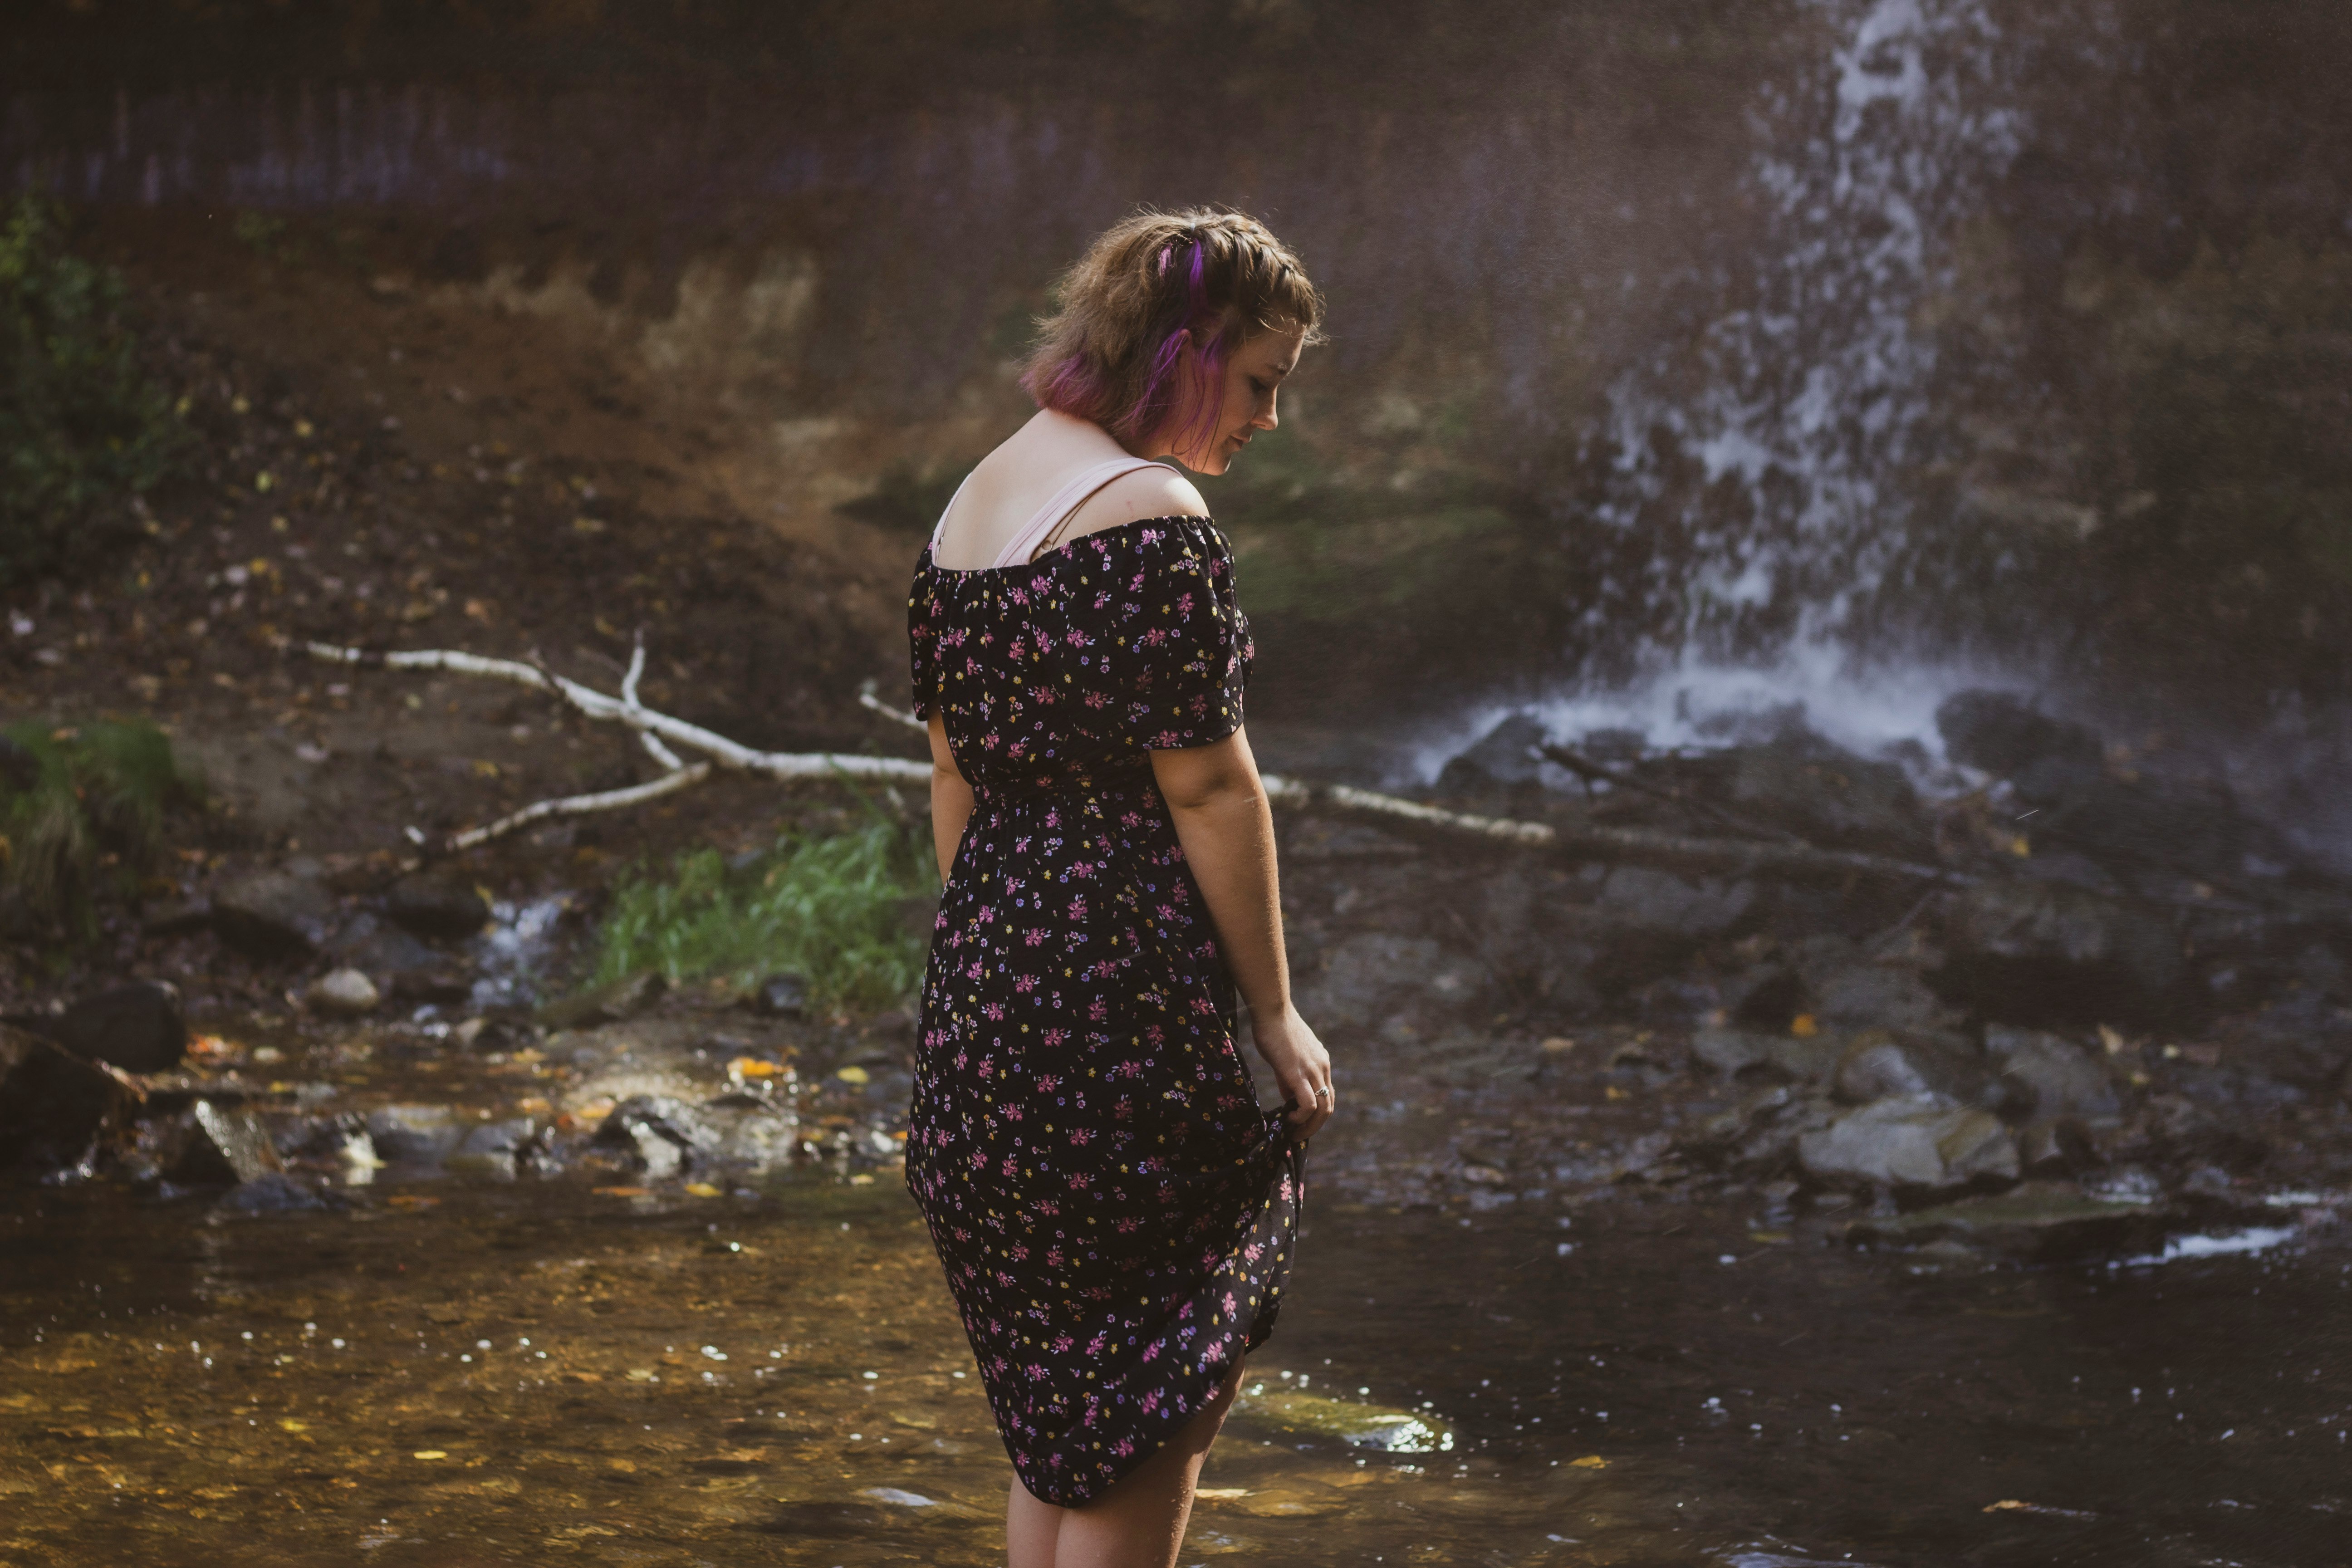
[1911,1143]
[274,915]
[2031,952]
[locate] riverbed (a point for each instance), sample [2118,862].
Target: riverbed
[445,1372]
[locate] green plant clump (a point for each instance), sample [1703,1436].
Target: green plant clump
[82,426]
[83,810]
[831,908]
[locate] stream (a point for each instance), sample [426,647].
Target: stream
[472,1371]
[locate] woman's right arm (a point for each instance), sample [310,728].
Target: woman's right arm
[950,798]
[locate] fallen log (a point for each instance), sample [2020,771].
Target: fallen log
[659,731]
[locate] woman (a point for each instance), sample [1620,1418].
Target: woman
[1114,1210]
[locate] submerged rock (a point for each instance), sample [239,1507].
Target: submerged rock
[414,1134]
[220,1143]
[494,1148]
[1374,1426]
[2038,1222]
[1911,1143]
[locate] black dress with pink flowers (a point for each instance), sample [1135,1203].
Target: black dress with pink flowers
[1116,1213]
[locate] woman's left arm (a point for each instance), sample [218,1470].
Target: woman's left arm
[950,798]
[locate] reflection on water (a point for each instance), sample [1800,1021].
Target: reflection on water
[496,1372]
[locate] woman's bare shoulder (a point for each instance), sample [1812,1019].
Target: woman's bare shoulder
[1156,491]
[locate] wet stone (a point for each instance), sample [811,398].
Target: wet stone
[53,1104]
[1915,1143]
[1880,1064]
[274,915]
[414,1134]
[2038,1222]
[222,1143]
[342,994]
[1647,902]
[436,907]
[609,1004]
[2060,1078]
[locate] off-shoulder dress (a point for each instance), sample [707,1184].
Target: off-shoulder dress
[1116,1213]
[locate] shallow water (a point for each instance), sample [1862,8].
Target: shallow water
[456,1373]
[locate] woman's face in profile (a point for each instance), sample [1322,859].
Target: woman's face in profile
[1252,380]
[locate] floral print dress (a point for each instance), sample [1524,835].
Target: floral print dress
[1114,1212]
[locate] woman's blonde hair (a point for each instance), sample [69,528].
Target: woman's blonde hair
[1113,351]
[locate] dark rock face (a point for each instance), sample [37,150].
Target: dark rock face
[53,1104]
[436,907]
[138,1027]
[2049,953]
[274,915]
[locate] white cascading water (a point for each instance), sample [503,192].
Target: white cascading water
[1813,389]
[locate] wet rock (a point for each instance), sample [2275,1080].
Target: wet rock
[274,915]
[138,1027]
[437,907]
[1379,1427]
[1997,733]
[273,1192]
[664,1135]
[54,1106]
[2049,1144]
[1915,1144]
[494,1148]
[607,1003]
[2038,1222]
[221,1144]
[1651,903]
[414,1134]
[779,997]
[1880,1064]
[412,970]
[1504,755]
[1730,1052]
[2046,952]
[342,994]
[2058,1078]
[174,917]
[1876,996]
[1804,783]
[1371,977]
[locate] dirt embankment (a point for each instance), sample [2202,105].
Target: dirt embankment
[386,462]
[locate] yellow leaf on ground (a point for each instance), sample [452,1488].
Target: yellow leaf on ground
[853,1075]
[1804,1026]
[703,1190]
[1589,1462]
[430,1454]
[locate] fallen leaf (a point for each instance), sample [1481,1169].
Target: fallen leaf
[853,1075]
[430,1454]
[1804,1026]
[1589,1462]
[704,1190]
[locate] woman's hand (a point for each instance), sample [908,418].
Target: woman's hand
[1301,1066]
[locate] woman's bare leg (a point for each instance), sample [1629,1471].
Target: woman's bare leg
[1140,1523]
[1031,1529]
